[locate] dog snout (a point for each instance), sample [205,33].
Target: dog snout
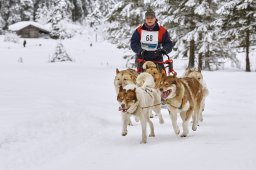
[123,106]
[161,89]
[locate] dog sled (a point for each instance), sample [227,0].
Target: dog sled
[165,67]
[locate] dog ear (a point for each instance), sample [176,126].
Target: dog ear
[117,71]
[173,75]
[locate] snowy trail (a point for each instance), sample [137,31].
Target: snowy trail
[64,116]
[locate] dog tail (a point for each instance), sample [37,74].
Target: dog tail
[145,80]
[205,89]
[148,64]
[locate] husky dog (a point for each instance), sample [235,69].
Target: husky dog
[124,77]
[150,67]
[184,96]
[140,101]
[197,74]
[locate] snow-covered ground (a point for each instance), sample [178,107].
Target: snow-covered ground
[64,116]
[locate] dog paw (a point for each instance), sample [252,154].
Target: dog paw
[124,133]
[143,142]
[151,135]
[194,127]
[183,135]
[177,132]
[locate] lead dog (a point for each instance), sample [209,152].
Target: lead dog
[139,101]
[184,96]
[123,78]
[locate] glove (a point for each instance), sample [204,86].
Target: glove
[162,51]
[142,53]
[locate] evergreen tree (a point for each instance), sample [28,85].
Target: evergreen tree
[238,23]
[14,14]
[42,14]
[182,22]
[26,10]
[60,54]
[124,18]
[87,7]
[192,28]
[2,24]
[77,11]
[4,12]
[60,11]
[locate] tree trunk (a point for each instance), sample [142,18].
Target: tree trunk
[247,50]
[207,64]
[200,61]
[200,55]
[191,60]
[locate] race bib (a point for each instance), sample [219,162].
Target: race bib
[149,40]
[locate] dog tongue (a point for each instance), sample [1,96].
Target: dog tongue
[121,109]
[165,94]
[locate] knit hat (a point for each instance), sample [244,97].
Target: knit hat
[150,13]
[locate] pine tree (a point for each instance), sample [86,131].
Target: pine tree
[4,12]
[42,14]
[124,18]
[60,54]
[238,23]
[183,21]
[26,10]
[99,11]
[60,11]
[2,24]
[77,11]
[87,7]
[14,14]
[192,29]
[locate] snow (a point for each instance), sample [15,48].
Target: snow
[20,25]
[65,115]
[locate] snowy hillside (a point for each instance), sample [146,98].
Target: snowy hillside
[64,116]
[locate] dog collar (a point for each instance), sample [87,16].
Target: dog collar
[169,102]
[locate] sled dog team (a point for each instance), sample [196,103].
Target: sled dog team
[139,95]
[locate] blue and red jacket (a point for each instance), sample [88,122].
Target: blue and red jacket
[163,40]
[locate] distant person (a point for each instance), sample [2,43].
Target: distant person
[24,43]
[90,44]
[150,41]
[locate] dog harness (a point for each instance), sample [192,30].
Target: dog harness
[135,106]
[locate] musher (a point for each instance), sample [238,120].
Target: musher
[150,42]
